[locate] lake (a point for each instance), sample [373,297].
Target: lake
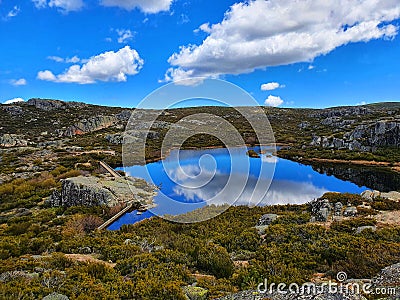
[190,179]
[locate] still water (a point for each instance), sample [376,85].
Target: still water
[190,179]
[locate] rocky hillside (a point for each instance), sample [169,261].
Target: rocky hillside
[61,131]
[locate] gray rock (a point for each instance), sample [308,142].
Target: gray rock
[12,140]
[92,191]
[338,208]
[341,112]
[350,211]
[304,125]
[362,228]
[131,136]
[365,137]
[55,296]
[389,277]
[367,195]
[90,125]
[50,104]
[320,209]
[393,195]
[124,115]
[13,110]
[267,219]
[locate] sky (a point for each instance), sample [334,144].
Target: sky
[286,53]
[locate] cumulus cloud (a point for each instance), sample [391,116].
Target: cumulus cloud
[147,6]
[274,101]
[257,34]
[18,82]
[270,86]
[14,100]
[124,35]
[108,66]
[64,6]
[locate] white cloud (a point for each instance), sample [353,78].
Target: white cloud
[75,59]
[257,34]
[46,75]
[273,101]
[40,3]
[18,82]
[108,66]
[56,58]
[362,103]
[64,6]
[310,67]
[124,35]
[147,6]
[270,86]
[203,27]
[13,13]
[15,100]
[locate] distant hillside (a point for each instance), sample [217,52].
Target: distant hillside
[369,132]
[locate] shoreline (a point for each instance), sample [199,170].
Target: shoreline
[392,166]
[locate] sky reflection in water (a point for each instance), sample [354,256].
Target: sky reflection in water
[203,174]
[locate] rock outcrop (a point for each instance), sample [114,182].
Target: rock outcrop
[49,104]
[342,112]
[389,277]
[131,136]
[93,191]
[12,140]
[365,137]
[372,195]
[90,125]
[13,110]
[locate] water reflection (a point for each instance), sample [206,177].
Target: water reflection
[194,178]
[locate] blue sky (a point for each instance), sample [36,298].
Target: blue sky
[309,53]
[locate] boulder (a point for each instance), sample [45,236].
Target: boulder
[267,219]
[195,293]
[393,195]
[93,191]
[362,228]
[55,296]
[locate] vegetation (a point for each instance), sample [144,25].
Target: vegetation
[56,251]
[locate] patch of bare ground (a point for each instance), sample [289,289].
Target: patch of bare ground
[393,166]
[241,263]
[89,259]
[388,218]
